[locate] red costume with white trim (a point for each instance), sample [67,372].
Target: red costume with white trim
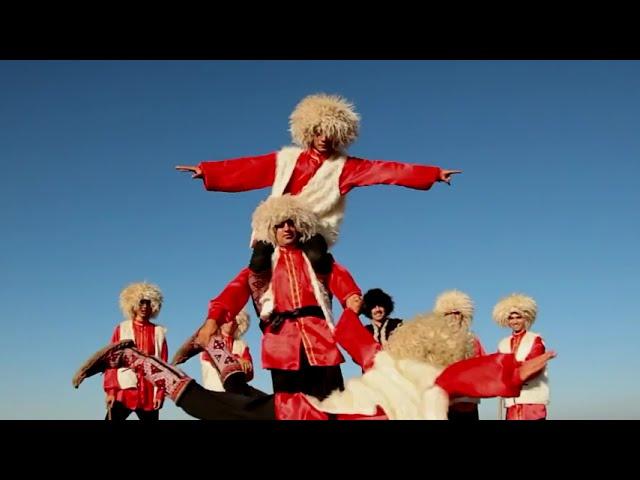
[320,173]
[292,289]
[298,344]
[519,312]
[252,173]
[518,408]
[140,396]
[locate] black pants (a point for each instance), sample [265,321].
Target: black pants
[464,416]
[240,402]
[318,382]
[120,412]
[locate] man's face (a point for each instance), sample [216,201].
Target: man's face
[322,143]
[516,322]
[143,310]
[286,233]
[378,313]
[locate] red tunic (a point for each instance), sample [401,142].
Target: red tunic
[141,397]
[292,289]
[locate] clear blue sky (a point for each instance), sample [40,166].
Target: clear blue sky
[547,205]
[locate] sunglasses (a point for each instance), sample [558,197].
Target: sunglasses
[286,222]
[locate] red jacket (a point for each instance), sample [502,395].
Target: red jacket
[292,289]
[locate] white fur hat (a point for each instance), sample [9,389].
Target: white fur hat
[134,293]
[331,115]
[516,302]
[455,300]
[275,210]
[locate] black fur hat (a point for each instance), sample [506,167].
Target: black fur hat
[377,296]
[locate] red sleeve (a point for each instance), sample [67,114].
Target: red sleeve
[342,284]
[232,299]
[358,172]
[164,355]
[239,174]
[537,349]
[494,375]
[246,354]
[110,380]
[356,340]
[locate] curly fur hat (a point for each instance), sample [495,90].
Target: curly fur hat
[275,210]
[331,115]
[455,300]
[516,302]
[377,296]
[133,293]
[430,338]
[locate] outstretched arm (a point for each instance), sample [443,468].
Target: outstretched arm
[236,175]
[359,172]
[495,375]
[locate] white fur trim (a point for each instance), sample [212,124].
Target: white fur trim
[266,302]
[435,403]
[322,194]
[404,389]
[322,297]
[286,160]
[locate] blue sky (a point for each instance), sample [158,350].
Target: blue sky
[547,205]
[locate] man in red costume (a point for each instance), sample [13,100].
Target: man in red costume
[294,307]
[318,170]
[126,389]
[519,312]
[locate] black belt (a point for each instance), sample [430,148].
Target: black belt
[276,319]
